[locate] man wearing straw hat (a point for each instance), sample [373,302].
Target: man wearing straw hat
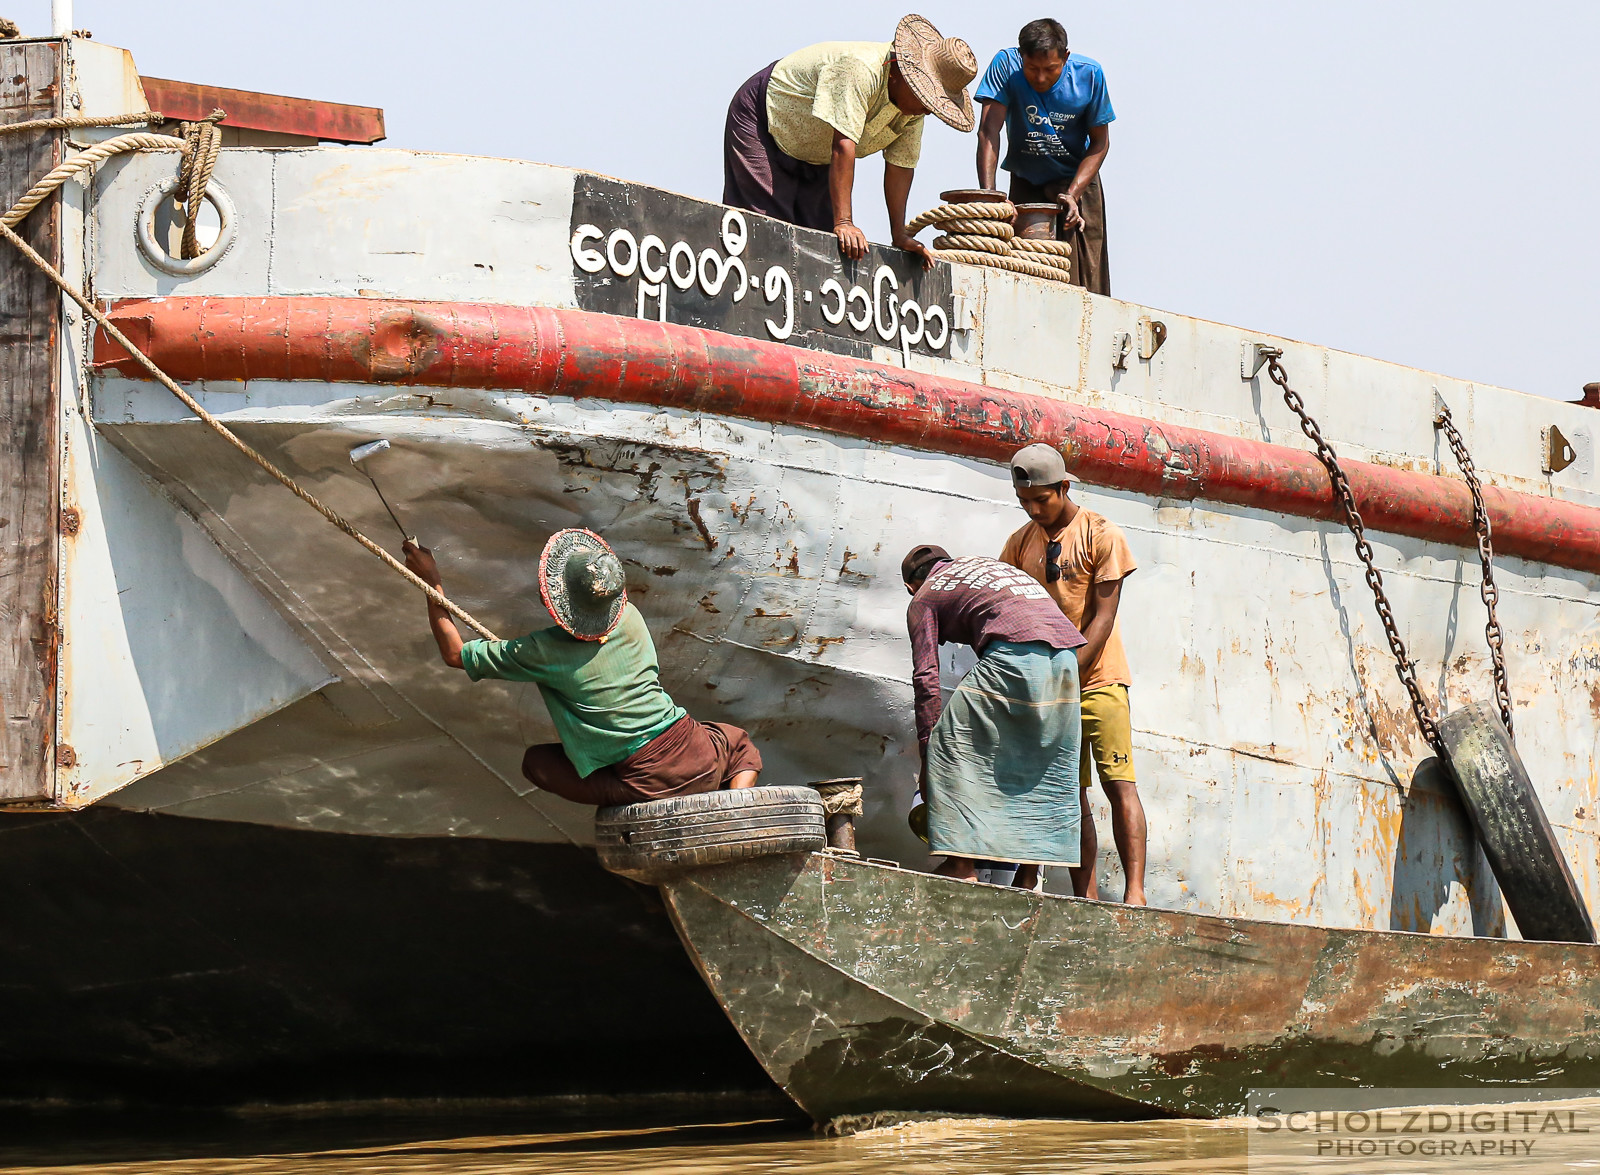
[796,129]
[1057,116]
[623,739]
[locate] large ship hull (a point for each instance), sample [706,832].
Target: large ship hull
[167,961]
[190,646]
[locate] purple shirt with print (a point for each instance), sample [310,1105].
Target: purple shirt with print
[974,601]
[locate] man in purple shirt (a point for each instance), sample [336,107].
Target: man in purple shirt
[1000,762]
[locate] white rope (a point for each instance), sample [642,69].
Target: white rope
[149,117]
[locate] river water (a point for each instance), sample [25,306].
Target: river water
[763,1147]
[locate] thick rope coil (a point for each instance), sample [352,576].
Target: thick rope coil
[984,211]
[1054,260]
[841,797]
[1033,245]
[83,161]
[149,117]
[1014,263]
[980,244]
[978,228]
[204,140]
[983,234]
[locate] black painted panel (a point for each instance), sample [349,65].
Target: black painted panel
[703,253]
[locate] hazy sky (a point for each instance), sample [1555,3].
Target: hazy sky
[1418,181]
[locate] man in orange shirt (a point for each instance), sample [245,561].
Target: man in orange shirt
[1082,559]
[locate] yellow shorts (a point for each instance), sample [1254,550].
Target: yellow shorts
[1107,736]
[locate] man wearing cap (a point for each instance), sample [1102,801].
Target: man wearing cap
[1000,762]
[1081,558]
[1057,116]
[796,129]
[623,739]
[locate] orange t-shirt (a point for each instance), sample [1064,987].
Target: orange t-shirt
[1093,550]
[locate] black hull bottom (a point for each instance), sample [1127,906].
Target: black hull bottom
[158,960]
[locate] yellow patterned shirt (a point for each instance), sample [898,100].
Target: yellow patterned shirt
[840,86]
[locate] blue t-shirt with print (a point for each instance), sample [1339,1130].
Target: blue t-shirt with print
[1047,135]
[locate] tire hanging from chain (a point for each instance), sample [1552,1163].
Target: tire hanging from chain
[1405,667]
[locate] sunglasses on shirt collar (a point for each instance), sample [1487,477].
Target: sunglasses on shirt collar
[1052,564]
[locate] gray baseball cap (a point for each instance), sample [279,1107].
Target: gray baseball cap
[1037,466]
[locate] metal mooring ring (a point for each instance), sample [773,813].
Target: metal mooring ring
[144,230]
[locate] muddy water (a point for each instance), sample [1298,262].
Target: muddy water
[941,1147]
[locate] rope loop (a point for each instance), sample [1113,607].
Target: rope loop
[841,797]
[978,228]
[980,244]
[203,141]
[1004,210]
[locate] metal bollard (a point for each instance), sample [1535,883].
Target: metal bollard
[841,801]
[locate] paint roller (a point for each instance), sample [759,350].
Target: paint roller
[359,455]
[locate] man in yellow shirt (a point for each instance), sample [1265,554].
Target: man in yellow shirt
[796,129]
[1082,559]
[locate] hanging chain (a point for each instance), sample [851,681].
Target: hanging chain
[1346,499]
[1486,588]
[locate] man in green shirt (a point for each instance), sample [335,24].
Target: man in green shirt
[796,129]
[623,738]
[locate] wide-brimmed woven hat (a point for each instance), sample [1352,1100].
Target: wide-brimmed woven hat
[938,70]
[581,583]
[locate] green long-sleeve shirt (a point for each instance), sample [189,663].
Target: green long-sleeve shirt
[604,697]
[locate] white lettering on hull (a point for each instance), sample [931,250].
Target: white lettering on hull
[893,319]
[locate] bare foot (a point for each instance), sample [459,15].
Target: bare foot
[1132,898]
[960,868]
[1027,877]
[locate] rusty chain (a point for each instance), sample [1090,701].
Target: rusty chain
[1486,587]
[1405,667]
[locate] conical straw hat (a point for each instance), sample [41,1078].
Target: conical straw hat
[581,582]
[938,70]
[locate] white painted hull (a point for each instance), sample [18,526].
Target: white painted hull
[1273,744]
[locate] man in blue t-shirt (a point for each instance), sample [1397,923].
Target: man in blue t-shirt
[1057,116]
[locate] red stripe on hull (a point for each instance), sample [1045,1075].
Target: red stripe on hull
[578,353]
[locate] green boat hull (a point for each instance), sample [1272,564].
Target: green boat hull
[861,987]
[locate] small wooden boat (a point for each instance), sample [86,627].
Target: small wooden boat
[861,986]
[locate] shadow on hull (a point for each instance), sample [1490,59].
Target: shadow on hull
[165,961]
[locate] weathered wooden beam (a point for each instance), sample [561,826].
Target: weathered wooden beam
[30,322]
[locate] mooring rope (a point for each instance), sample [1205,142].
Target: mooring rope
[1033,245]
[197,145]
[841,797]
[202,143]
[150,117]
[982,210]
[981,233]
[99,153]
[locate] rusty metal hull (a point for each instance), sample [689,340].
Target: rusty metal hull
[863,987]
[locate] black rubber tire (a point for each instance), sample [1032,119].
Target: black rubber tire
[1516,835]
[654,841]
